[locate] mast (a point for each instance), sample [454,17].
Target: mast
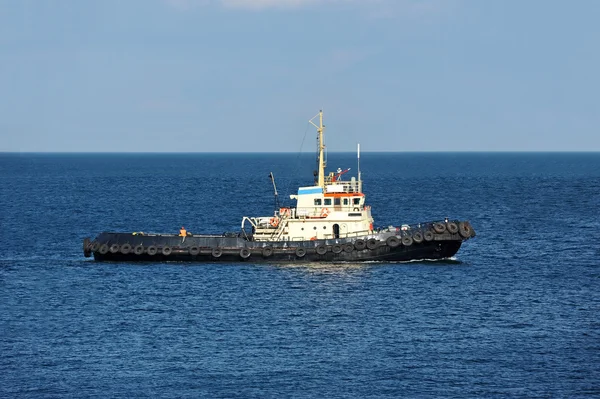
[321,147]
[358,159]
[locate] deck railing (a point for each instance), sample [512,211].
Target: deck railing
[342,186]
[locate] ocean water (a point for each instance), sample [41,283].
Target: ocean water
[515,314]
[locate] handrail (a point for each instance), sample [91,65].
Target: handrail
[348,186]
[249,220]
[280,227]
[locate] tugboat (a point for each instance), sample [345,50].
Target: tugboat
[331,222]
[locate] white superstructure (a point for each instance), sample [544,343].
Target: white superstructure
[333,208]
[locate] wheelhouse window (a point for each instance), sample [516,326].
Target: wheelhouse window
[345,201]
[356,201]
[327,201]
[337,201]
[317,201]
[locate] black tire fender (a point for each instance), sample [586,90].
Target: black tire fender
[407,241]
[336,248]
[439,227]
[452,227]
[95,245]
[152,250]
[194,250]
[245,253]
[114,248]
[125,249]
[428,236]
[267,251]
[300,252]
[103,249]
[392,241]
[348,247]
[464,230]
[166,251]
[138,250]
[86,247]
[372,243]
[360,244]
[216,252]
[321,249]
[418,237]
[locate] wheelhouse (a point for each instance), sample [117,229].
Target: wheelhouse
[332,208]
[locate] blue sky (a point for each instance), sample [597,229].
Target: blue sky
[246,75]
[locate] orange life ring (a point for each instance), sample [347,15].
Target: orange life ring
[285,212]
[324,212]
[274,222]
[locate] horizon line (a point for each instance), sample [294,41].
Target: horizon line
[307,152]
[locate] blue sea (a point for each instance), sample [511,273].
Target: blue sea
[516,313]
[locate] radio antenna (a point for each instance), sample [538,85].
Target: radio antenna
[358,159]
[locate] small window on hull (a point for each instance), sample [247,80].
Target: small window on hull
[318,201]
[337,201]
[327,201]
[345,201]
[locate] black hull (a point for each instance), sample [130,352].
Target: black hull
[385,247]
[428,251]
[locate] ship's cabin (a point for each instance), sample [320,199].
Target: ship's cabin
[339,196]
[337,210]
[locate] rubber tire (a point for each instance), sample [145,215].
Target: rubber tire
[464,230]
[125,249]
[418,237]
[166,251]
[336,248]
[103,249]
[267,251]
[407,241]
[194,250]
[348,247]
[428,236]
[152,250]
[245,253]
[86,247]
[95,245]
[439,228]
[114,248]
[452,227]
[360,244]
[372,243]
[138,250]
[321,250]
[392,241]
[216,252]
[300,252]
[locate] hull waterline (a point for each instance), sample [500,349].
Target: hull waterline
[124,247]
